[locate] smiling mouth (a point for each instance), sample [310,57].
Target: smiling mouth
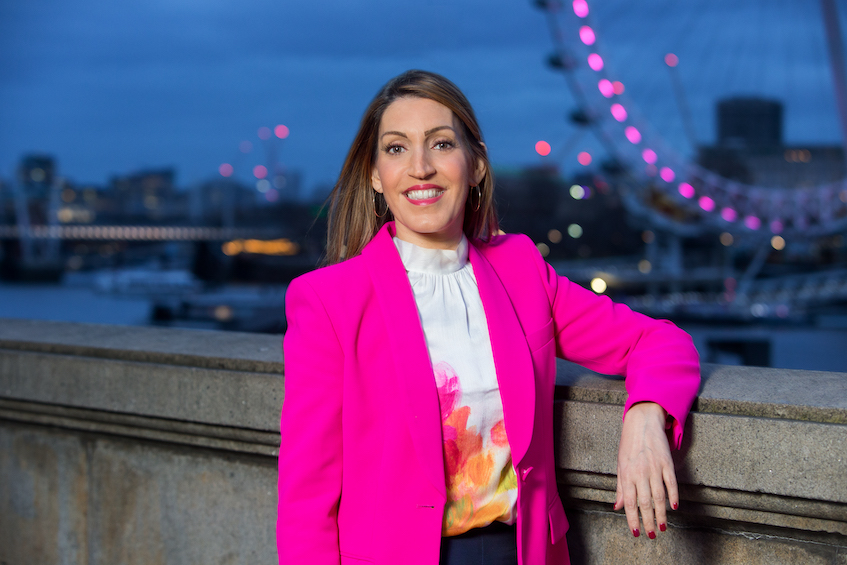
[424,194]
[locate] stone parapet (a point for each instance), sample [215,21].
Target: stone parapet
[122,444]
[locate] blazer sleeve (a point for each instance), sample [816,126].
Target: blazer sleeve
[310,433]
[657,358]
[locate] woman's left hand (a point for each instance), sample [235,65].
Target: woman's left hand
[645,469]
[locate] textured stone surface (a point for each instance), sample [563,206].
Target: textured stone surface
[72,499]
[784,457]
[209,349]
[213,396]
[602,538]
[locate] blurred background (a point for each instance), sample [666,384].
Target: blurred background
[167,162]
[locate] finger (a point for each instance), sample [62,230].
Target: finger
[630,504]
[618,495]
[659,501]
[669,476]
[645,505]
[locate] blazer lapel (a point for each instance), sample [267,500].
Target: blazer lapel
[408,348]
[512,359]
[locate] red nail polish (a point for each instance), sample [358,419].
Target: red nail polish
[675,505]
[651,535]
[635,532]
[662,527]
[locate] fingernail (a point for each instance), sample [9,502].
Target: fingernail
[635,532]
[651,535]
[675,505]
[662,527]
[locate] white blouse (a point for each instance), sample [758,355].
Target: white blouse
[481,483]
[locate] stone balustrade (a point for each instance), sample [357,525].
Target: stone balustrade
[145,445]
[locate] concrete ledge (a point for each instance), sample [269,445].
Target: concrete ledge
[163,442]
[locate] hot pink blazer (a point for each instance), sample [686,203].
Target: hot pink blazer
[361,471]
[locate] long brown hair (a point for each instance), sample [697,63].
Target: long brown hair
[354,204]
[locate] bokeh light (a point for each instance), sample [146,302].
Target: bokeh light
[575,231]
[618,86]
[586,35]
[778,243]
[542,148]
[686,190]
[263,185]
[729,214]
[264,133]
[633,135]
[260,171]
[667,174]
[598,285]
[776,226]
[281,131]
[649,156]
[606,87]
[706,203]
[554,235]
[272,195]
[225,170]
[584,158]
[671,60]
[726,239]
[644,266]
[752,222]
[580,8]
[595,61]
[577,192]
[543,248]
[619,112]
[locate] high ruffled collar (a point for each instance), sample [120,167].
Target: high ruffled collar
[433,261]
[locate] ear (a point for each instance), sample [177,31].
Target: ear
[375,181]
[480,170]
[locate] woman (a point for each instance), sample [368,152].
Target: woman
[417,425]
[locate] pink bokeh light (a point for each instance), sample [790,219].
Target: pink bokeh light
[264,133]
[260,171]
[671,60]
[606,87]
[580,8]
[686,190]
[752,222]
[584,158]
[281,131]
[619,112]
[706,203]
[667,174]
[729,214]
[586,35]
[618,86]
[633,135]
[777,226]
[542,148]
[649,156]
[595,61]
[225,170]
[272,195]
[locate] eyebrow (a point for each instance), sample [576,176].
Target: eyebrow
[427,133]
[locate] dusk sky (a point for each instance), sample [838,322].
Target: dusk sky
[110,87]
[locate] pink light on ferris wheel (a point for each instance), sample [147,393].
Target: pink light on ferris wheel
[595,61]
[225,170]
[686,190]
[706,203]
[586,35]
[667,174]
[729,214]
[649,156]
[580,8]
[606,87]
[619,112]
[633,135]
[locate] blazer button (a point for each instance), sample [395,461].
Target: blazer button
[525,472]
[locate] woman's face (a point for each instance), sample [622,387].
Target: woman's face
[424,171]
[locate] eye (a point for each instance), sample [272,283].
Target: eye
[393,149]
[444,144]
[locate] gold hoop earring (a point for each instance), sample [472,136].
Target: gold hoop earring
[373,198]
[478,197]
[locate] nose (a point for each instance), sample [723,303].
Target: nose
[421,166]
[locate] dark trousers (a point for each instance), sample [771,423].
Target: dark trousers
[492,545]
